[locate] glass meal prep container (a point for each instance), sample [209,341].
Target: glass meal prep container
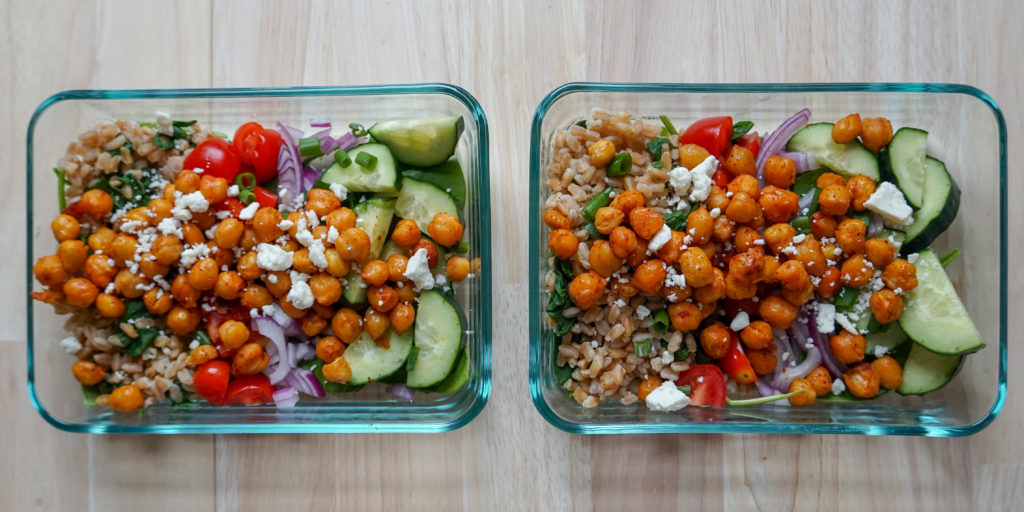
[62,117]
[966,130]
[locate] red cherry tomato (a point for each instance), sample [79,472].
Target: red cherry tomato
[707,385]
[232,205]
[733,306]
[218,316]
[216,157]
[721,178]
[249,390]
[211,380]
[264,197]
[735,362]
[259,147]
[751,141]
[711,133]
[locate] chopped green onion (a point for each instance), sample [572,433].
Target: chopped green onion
[462,247]
[581,122]
[341,156]
[760,400]
[309,147]
[661,321]
[950,257]
[366,160]
[847,297]
[599,201]
[620,165]
[245,180]
[667,123]
[163,142]
[741,128]
[685,389]
[642,347]
[802,224]
[410,362]
[358,130]
[62,180]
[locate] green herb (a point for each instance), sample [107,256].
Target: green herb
[668,126]
[462,247]
[620,165]
[677,220]
[62,182]
[661,321]
[741,128]
[685,389]
[807,181]
[410,362]
[366,160]
[802,224]
[179,133]
[117,151]
[581,122]
[183,124]
[562,373]
[309,147]
[559,299]
[342,158]
[321,184]
[358,130]
[130,191]
[144,336]
[814,201]
[202,338]
[760,400]
[593,232]
[681,354]
[950,257]
[246,183]
[163,142]
[642,348]
[847,297]
[597,202]
[656,147]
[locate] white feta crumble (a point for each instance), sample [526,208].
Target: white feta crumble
[881,350]
[619,303]
[826,319]
[272,257]
[417,270]
[300,295]
[268,310]
[701,187]
[313,220]
[195,202]
[642,312]
[317,254]
[845,323]
[673,278]
[679,178]
[332,234]
[272,278]
[339,191]
[888,201]
[285,225]
[799,238]
[660,238]
[667,397]
[71,345]
[170,226]
[233,191]
[193,344]
[164,124]
[715,212]
[249,211]
[838,387]
[741,320]
[912,258]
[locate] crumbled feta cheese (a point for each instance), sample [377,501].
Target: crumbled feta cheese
[164,124]
[619,303]
[71,345]
[674,278]
[272,278]
[195,202]
[312,219]
[715,212]
[417,270]
[272,257]
[300,295]
[660,238]
[701,187]
[881,350]
[317,255]
[339,191]
[888,201]
[285,225]
[667,397]
[741,320]
[249,211]
[679,178]
[268,310]
[170,226]
[799,238]
[707,167]
[845,323]
[826,318]
[233,191]
[642,312]
[332,235]
[838,387]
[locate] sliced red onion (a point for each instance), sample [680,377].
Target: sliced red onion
[876,224]
[805,200]
[298,352]
[831,363]
[289,167]
[400,391]
[347,141]
[309,177]
[791,373]
[320,123]
[286,397]
[305,382]
[290,134]
[776,141]
[765,389]
[804,161]
[287,323]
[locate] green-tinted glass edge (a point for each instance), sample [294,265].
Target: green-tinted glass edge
[483,362]
[536,294]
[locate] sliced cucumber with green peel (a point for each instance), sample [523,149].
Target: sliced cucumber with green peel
[438,336]
[370,361]
[355,289]
[390,247]
[383,178]
[941,204]
[902,163]
[447,176]
[420,142]
[847,159]
[933,315]
[421,201]
[925,371]
[374,217]
[457,378]
[890,338]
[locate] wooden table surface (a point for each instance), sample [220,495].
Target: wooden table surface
[508,55]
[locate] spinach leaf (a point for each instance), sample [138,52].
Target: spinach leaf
[559,299]
[562,373]
[655,147]
[741,128]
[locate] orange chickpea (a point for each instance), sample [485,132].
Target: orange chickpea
[828,286]
[336,265]
[670,252]
[402,317]
[338,371]
[607,219]
[187,182]
[622,287]
[834,200]
[312,324]
[167,249]
[648,277]
[714,339]
[65,227]
[72,254]
[322,202]
[264,224]
[80,292]
[623,241]
[278,283]
[742,208]
[809,253]
[158,210]
[325,287]
[375,273]
[457,269]
[123,247]
[780,171]
[829,178]
[229,285]
[552,218]
[586,289]
[150,268]
[638,256]
[203,274]
[192,235]
[757,335]
[247,267]
[183,292]
[182,321]
[228,233]
[763,360]
[747,265]
[900,274]
[744,183]
[850,234]
[427,245]
[126,398]
[846,129]
[699,226]
[87,372]
[723,229]
[713,291]
[862,381]
[805,394]
[628,201]
[736,288]
[375,323]
[109,306]
[740,160]
[645,222]
[791,275]
[848,347]
[344,218]
[879,252]
[823,225]
[695,265]
[397,264]
[233,333]
[301,261]
[649,384]
[49,270]
[820,381]
[779,205]
[855,271]
[717,199]
[406,233]
[214,189]
[347,324]
[100,239]
[861,187]
[157,301]
[777,311]
[353,244]
[886,306]
[256,296]
[98,269]
[202,354]
[382,298]
[329,348]
[779,236]
[250,359]
[692,155]
[563,243]
[97,203]
[445,229]
[601,152]
[771,264]
[876,132]
[890,375]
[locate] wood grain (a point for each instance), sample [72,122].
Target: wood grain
[507,54]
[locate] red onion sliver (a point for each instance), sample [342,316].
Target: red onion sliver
[305,382]
[828,359]
[286,397]
[320,123]
[347,141]
[400,391]
[776,141]
[876,225]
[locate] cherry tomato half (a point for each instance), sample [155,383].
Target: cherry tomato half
[264,197]
[250,390]
[735,362]
[721,178]
[751,141]
[232,205]
[216,157]
[211,380]
[707,385]
[218,316]
[259,147]
[711,133]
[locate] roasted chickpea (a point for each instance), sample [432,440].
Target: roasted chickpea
[780,171]
[645,222]
[805,394]
[855,271]
[228,233]
[848,347]
[696,267]
[397,264]
[763,360]
[158,210]
[638,256]
[861,187]
[862,381]
[157,301]
[249,360]
[823,225]
[402,317]
[123,247]
[717,199]
[99,269]
[778,204]
[338,371]
[586,289]
[256,296]
[445,229]
[771,264]
[65,227]
[203,274]
[213,188]
[430,248]
[322,202]
[846,129]
[336,265]
[109,306]
[623,241]
[265,224]
[628,201]
[183,292]
[192,235]
[736,288]
[886,306]
[746,238]
[670,252]
[820,381]
[601,152]
[375,273]
[247,267]
[777,311]
[742,208]
[312,324]
[97,203]
[290,309]
[714,339]
[132,219]
[49,270]
[563,243]
[648,277]
[229,285]
[829,178]
[187,182]
[72,254]
[890,375]
[553,219]
[457,269]
[692,155]
[650,383]
[757,222]
[182,321]
[406,233]
[278,283]
[876,132]
[713,291]
[382,298]
[879,252]
[744,183]
[301,261]
[80,292]
[329,348]
[779,236]
[739,160]
[607,219]
[810,254]
[834,200]
[900,275]
[747,265]
[622,287]
[343,218]
[791,275]
[233,334]
[202,354]
[353,244]
[757,334]
[149,267]
[850,235]
[100,239]
[723,229]
[168,192]
[126,398]
[699,226]
[829,283]
[347,324]
[375,323]
[325,287]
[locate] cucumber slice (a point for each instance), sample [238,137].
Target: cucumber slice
[889,338]
[458,377]
[370,362]
[374,217]
[447,176]
[355,289]
[926,371]
[941,204]
[390,247]
[438,336]
[421,201]
[383,178]
[902,162]
[933,316]
[420,142]
[846,159]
